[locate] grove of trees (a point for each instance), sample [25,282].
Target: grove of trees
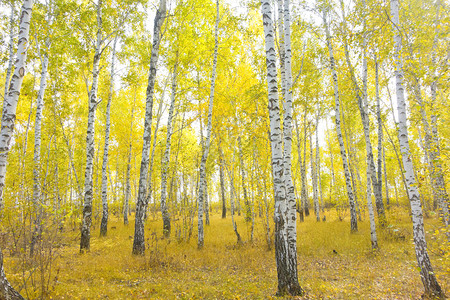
[260,111]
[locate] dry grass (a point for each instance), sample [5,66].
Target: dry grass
[177,270]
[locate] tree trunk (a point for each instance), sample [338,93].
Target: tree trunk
[291,226]
[7,125]
[380,149]
[373,231]
[287,279]
[432,287]
[304,193]
[300,205]
[361,95]
[126,203]
[104,223]
[90,135]
[141,205]
[37,188]
[248,212]
[166,159]
[314,180]
[222,184]
[202,185]
[353,220]
[152,156]
[318,177]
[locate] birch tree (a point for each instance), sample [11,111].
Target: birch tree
[291,225]
[141,205]
[432,287]
[166,158]
[337,119]
[8,121]
[126,202]
[37,138]
[314,178]
[104,222]
[361,95]
[287,279]
[88,175]
[205,150]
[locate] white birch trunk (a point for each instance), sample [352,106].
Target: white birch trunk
[432,287]
[152,155]
[304,194]
[299,151]
[202,175]
[222,183]
[166,158]
[314,180]
[248,212]
[37,142]
[318,178]
[12,97]
[232,195]
[90,135]
[8,121]
[373,232]
[287,281]
[126,203]
[353,220]
[361,95]
[141,205]
[291,226]
[380,137]
[104,222]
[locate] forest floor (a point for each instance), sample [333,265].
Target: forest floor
[223,270]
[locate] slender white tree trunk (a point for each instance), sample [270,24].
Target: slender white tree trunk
[380,136]
[361,95]
[318,177]
[90,136]
[37,142]
[202,175]
[337,116]
[304,194]
[244,181]
[8,120]
[104,223]
[432,287]
[126,203]
[152,156]
[291,227]
[232,195]
[314,180]
[141,205]
[299,151]
[222,183]
[166,158]
[373,232]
